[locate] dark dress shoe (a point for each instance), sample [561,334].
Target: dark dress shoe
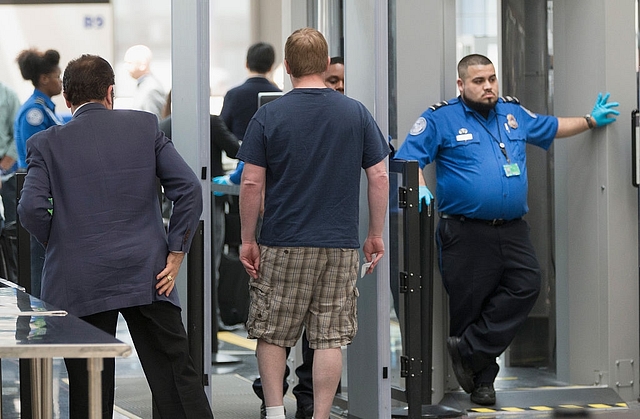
[226,328]
[484,395]
[304,413]
[463,373]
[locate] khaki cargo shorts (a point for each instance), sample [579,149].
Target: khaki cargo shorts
[305,286]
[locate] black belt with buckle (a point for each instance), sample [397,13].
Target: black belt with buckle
[495,222]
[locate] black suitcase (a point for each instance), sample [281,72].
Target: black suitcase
[233,284]
[9,252]
[233,289]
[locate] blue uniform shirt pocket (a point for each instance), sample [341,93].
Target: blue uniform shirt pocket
[516,147]
[465,146]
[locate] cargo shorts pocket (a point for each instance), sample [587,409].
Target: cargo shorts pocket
[259,294]
[351,313]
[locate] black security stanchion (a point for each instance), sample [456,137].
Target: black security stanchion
[195,301]
[24,280]
[409,284]
[426,307]
[24,243]
[214,286]
[427,241]
[416,285]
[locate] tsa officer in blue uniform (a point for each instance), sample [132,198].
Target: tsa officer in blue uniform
[37,114]
[488,264]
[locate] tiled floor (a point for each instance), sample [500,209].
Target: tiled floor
[233,397]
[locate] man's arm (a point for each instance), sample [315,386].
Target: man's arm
[35,208]
[570,126]
[226,113]
[601,115]
[378,196]
[182,187]
[222,137]
[27,131]
[251,188]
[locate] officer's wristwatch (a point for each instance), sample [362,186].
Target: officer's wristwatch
[589,121]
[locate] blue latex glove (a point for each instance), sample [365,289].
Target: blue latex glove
[424,193]
[236,175]
[602,109]
[222,180]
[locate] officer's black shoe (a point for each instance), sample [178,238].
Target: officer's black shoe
[304,412]
[463,373]
[484,395]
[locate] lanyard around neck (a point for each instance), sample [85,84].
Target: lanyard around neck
[498,141]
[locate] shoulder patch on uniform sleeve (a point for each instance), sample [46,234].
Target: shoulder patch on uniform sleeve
[418,126]
[438,105]
[34,117]
[511,99]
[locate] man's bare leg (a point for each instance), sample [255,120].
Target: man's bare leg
[272,360]
[327,370]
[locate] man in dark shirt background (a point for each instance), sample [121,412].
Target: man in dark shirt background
[241,102]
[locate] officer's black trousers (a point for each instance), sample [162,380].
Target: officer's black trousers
[492,277]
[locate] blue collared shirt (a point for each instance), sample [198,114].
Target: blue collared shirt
[35,115]
[474,177]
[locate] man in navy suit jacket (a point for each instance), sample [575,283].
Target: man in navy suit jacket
[241,102]
[90,198]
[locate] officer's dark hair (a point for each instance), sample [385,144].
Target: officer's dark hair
[87,78]
[260,57]
[472,59]
[336,60]
[34,63]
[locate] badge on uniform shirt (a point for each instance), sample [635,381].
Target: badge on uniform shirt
[464,135]
[419,126]
[35,117]
[511,169]
[511,120]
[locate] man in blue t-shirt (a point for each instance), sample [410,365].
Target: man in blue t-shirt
[488,264]
[304,271]
[303,391]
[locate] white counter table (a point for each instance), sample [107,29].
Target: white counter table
[32,329]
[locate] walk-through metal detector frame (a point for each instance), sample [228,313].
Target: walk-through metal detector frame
[635,168]
[415,282]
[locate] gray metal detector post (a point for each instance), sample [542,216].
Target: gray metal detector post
[416,284]
[635,166]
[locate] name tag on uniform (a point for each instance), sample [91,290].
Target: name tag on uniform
[511,169]
[464,137]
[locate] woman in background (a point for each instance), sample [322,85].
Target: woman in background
[35,115]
